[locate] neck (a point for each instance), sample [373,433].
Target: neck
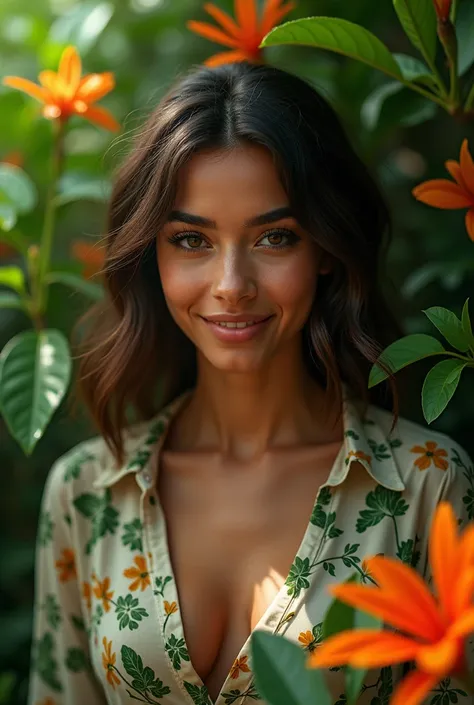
[244,415]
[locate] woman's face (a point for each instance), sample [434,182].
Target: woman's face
[232,251]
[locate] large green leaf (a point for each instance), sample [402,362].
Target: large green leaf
[281,675]
[35,369]
[466,324]
[439,386]
[93,291]
[16,188]
[403,352]
[8,216]
[13,277]
[82,24]
[414,70]
[81,187]
[8,300]
[449,325]
[391,105]
[418,19]
[337,35]
[465,33]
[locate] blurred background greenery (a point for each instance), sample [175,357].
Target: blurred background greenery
[145,43]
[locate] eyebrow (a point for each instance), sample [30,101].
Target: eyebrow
[262,219]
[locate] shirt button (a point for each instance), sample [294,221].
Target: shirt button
[147,478]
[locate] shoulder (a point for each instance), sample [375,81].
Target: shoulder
[432,465]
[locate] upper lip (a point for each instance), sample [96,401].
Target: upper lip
[236,318]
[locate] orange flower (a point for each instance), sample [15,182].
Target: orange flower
[139,574]
[102,592]
[170,608]
[443,9]
[429,455]
[432,628]
[442,193]
[65,93]
[243,36]
[92,256]
[306,638]
[240,664]
[108,662]
[66,565]
[359,454]
[87,594]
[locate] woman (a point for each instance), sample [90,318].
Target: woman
[242,249]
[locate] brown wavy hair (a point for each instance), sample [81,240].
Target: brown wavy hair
[133,357]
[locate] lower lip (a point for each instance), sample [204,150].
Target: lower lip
[237,335]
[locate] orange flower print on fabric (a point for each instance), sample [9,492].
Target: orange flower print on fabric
[243,35]
[66,565]
[306,638]
[87,594]
[359,454]
[138,574]
[108,662]
[103,592]
[170,608]
[240,664]
[430,453]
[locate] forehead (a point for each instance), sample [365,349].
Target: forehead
[242,181]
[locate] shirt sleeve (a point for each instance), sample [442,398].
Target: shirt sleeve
[61,670]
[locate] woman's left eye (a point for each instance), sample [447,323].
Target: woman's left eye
[278,239]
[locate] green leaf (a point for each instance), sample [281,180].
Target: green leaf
[372,105]
[403,352]
[132,662]
[81,25]
[414,70]
[35,369]
[466,324]
[93,291]
[281,675]
[439,386]
[45,662]
[76,659]
[464,32]
[382,502]
[7,216]
[418,19]
[16,188]
[337,35]
[449,325]
[14,278]
[88,504]
[8,300]
[81,187]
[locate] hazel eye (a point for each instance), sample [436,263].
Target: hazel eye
[193,241]
[279,239]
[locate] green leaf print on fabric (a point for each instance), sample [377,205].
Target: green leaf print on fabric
[351,434]
[321,519]
[143,677]
[129,613]
[177,651]
[76,660]
[383,503]
[53,613]
[45,529]
[235,694]
[160,584]
[45,663]
[468,473]
[297,579]
[445,694]
[395,443]
[407,552]
[78,622]
[199,694]
[380,451]
[75,465]
[104,516]
[132,535]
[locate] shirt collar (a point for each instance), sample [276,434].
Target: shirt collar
[365,442]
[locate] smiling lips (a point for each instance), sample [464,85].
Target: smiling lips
[238,328]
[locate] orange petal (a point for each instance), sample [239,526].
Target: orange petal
[413,689]
[442,193]
[225,21]
[363,648]
[102,117]
[439,658]
[212,33]
[70,70]
[54,83]
[467,167]
[463,592]
[273,14]
[464,625]
[405,584]
[247,18]
[454,169]
[388,606]
[32,89]
[94,86]
[470,223]
[226,57]
[443,551]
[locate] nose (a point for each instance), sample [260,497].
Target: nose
[233,279]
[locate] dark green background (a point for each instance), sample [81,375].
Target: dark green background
[146,44]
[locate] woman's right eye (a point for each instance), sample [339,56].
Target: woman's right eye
[193,241]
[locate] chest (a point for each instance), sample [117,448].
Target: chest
[233,534]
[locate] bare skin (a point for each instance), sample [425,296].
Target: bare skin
[245,457]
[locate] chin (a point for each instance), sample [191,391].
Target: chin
[236,361]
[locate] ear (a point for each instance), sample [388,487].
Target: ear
[326,263]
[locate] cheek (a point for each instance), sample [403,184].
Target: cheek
[182,283]
[292,284]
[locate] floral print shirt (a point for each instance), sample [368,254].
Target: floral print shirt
[107,618]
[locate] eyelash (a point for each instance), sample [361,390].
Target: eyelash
[292,237]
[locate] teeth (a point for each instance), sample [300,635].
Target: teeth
[228,324]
